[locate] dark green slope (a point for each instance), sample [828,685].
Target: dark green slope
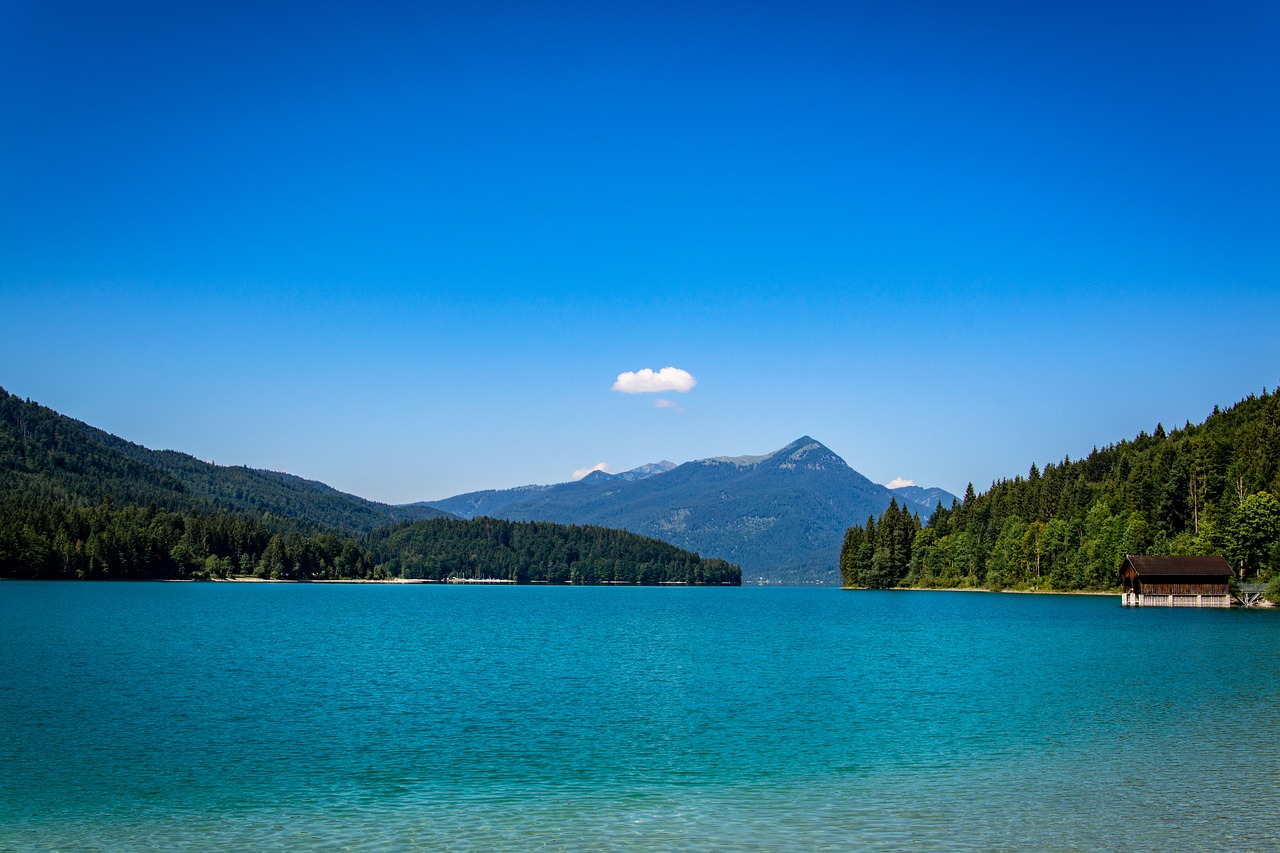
[44,453]
[541,552]
[240,489]
[71,506]
[46,456]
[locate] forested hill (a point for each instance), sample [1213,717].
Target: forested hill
[1209,488]
[76,502]
[241,489]
[46,454]
[540,552]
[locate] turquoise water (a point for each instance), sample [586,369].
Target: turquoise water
[383,717]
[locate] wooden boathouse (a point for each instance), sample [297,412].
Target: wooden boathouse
[1175,581]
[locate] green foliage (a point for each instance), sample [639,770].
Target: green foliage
[1202,489]
[1253,535]
[46,539]
[539,552]
[45,456]
[878,555]
[1273,589]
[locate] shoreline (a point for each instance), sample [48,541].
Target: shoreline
[393,581]
[980,589]
[304,580]
[431,582]
[223,580]
[1262,604]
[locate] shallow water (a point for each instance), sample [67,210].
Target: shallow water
[371,717]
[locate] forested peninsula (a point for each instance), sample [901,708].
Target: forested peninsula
[1209,488]
[76,502]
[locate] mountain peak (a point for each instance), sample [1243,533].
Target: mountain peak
[648,470]
[807,453]
[740,461]
[803,445]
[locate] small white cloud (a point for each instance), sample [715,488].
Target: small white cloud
[582,472]
[646,381]
[664,403]
[898,483]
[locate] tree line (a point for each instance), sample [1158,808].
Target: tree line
[1209,488]
[41,539]
[539,552]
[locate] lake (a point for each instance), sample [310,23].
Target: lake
[388,717]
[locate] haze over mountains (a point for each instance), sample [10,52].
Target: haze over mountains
[781,516]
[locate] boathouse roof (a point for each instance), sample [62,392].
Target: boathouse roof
[1178,565]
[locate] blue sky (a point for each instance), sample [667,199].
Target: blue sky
[407,249]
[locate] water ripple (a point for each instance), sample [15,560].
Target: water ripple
[365,718]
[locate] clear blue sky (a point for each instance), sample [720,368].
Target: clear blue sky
[407,249]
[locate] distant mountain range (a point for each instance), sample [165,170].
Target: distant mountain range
[781,516]
[920,496]
[641,472]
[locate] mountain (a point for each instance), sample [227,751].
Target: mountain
[49,455]
[493,502]
[645,471]
[781,515]
[923,500]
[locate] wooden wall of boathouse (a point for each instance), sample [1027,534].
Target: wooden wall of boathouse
[1175,581]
